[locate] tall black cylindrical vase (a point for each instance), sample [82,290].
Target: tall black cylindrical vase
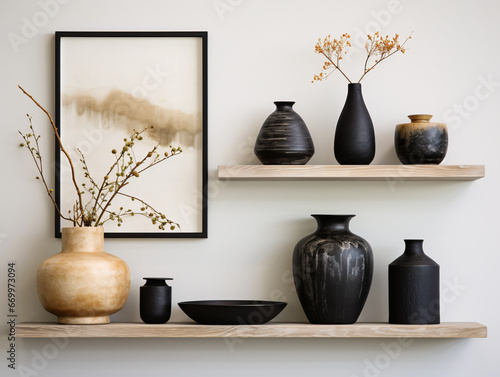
[332,271]
[414,287]
[284,138]
[354,142]
[155,300]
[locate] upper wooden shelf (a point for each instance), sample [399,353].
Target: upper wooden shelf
[268,330]
[352,172]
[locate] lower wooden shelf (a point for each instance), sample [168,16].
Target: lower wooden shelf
[268,330]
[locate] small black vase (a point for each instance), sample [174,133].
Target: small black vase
[284,138]
[155,301]
[354,142]
[414,287]
[332,271]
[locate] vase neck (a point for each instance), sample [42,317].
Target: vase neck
[284,105]
[414,247]
[354,89]
[83,239]
[328,223]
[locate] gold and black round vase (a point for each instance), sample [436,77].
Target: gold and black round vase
[284,138]
[414,287]
[155,300]
[421,141]
[332,271]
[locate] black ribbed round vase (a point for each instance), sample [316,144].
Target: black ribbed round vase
[421,141]
[332,271]
[284,138]
[354,142]
[414,287]
[155,300]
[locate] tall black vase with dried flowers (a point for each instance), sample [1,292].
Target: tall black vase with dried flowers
[354,142]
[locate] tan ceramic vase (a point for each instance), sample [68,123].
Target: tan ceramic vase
[83,284]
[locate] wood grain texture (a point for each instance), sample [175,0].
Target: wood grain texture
[269,330]
[352,172]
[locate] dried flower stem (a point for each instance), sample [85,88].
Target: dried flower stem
[120,185]
[37,158]
[331,48]
[334,49]
[374,48]
[161,215]
[63,150]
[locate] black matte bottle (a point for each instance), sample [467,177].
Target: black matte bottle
[414,287]
[155,301]
[354,142]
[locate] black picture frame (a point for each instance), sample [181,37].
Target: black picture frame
[75,66]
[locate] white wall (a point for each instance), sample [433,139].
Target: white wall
[261,51]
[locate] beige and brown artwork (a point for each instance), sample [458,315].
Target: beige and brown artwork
[101,105]
[124,110]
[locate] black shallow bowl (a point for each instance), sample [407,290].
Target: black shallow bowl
[232,312]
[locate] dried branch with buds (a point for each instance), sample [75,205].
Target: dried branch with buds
[377,48]
[92,206]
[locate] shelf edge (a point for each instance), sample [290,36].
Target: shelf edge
[269,330]
[351,172]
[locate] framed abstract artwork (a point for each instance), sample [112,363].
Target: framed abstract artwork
[110,85]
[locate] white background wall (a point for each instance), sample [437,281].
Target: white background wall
[261,51]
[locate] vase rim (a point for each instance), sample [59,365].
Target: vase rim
[413,240]
[82,227]
[420,117]
[155,278]
[291,103]
[96,229]
[331,215]
[421,120]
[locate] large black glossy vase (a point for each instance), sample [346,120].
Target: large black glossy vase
[332,270]
[414,287]
[284,138]
[354,142]
[155,300]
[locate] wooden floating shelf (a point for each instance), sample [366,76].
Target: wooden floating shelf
[269,330]
[351,172]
